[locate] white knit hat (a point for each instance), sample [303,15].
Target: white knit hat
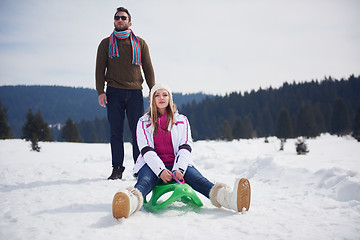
[156,87]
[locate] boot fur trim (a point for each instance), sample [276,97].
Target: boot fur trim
[214,192]
[138,194]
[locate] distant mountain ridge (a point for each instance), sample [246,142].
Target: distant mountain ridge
[58,103]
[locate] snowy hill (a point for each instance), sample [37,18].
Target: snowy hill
[62,192]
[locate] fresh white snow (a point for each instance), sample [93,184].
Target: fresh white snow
[62,192]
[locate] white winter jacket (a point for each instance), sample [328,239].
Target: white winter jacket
[181,140]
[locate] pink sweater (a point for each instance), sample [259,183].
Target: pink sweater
[163,143]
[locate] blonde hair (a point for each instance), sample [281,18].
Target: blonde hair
[154,113]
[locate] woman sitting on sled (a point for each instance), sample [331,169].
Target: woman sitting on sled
[164,140]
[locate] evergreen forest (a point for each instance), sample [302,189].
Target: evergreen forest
[61,107]
[299,109]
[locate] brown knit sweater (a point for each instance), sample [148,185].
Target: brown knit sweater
[119,72]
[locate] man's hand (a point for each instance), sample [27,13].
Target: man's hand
[166,175]
[102,100]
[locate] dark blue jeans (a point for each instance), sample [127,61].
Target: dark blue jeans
[121,102]
[147,180]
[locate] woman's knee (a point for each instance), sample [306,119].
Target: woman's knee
[146,180]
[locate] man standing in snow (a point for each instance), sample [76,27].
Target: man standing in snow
[120,58]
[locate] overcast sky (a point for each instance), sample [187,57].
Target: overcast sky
[210,46]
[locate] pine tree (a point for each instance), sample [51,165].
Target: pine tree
[268,122]
[301,147]
[238,129]
[70,132]
[340,120]
[248,127]
[35,129]
[306,123]
[284,128]
[226,131]
[320,119]
[259,129]
[4,127]
[356,129]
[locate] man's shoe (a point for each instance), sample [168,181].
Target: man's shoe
[116,173]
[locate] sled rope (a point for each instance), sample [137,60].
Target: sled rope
[182,181]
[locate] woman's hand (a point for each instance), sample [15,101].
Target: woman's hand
[179,176]
[165,175]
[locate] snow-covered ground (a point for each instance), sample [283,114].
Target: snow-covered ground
[62,192]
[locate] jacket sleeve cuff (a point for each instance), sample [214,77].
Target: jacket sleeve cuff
[154,162]
[182,161]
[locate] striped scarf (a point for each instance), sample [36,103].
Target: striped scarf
[114,51]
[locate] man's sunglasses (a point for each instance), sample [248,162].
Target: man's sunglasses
[120,17]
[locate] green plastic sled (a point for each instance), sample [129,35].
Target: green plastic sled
[181,191]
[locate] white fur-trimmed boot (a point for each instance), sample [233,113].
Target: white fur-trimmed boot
[126,203]
[237,199]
